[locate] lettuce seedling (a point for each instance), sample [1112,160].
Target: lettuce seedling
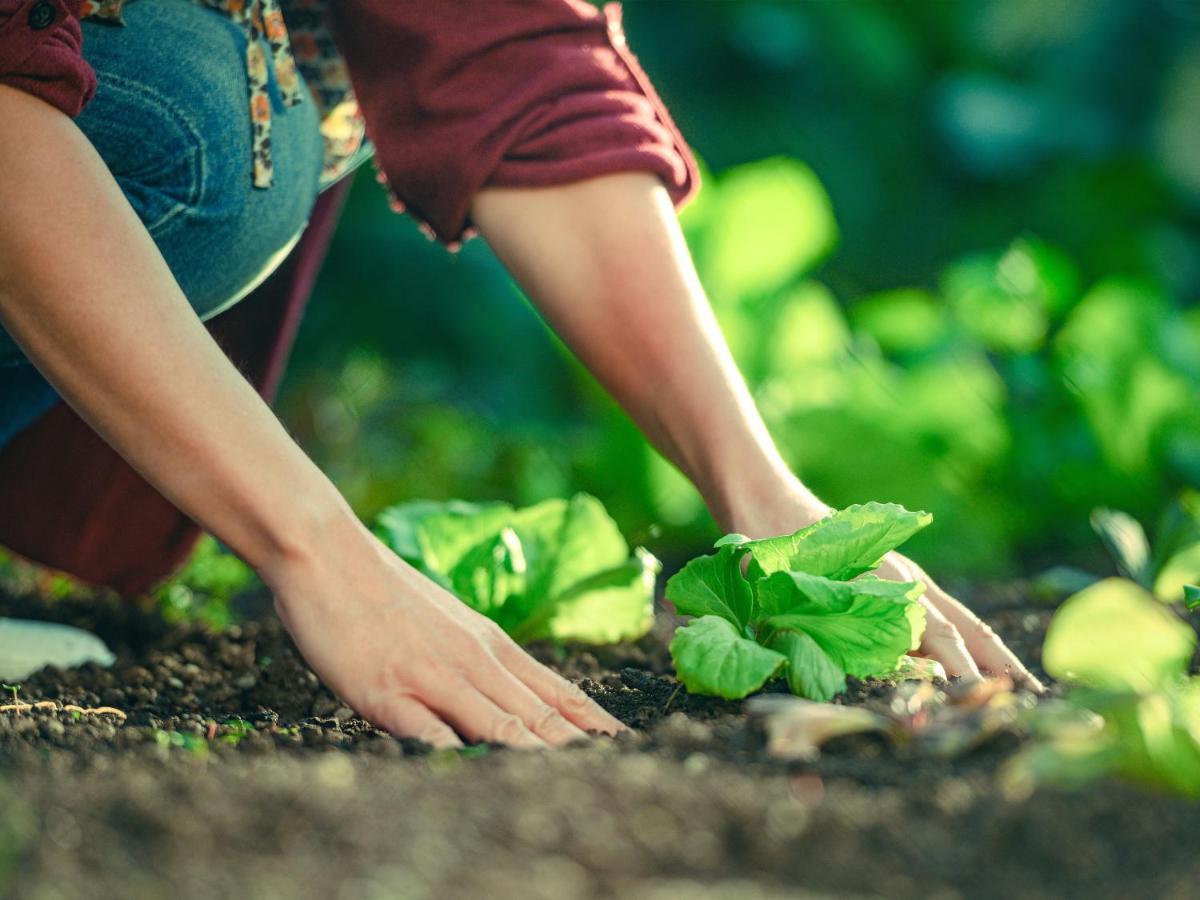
[804,609]
[1130,707]
[559,569]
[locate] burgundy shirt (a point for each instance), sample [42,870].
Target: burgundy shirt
[457,94]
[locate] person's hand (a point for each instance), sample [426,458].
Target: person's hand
[966,646]
[954,636]
[414,660]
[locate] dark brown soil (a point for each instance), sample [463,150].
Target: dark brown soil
[236,774]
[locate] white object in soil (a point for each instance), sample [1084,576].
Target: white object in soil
[26,646]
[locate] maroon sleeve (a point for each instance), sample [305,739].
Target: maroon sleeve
[40,52]
[462,94]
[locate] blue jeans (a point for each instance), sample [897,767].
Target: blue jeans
[171,120]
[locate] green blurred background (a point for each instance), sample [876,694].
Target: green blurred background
[955,245]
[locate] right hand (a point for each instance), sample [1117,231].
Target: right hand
[963,643]
[416,661]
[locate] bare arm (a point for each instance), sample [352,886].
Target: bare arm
[88,297]
[606,263]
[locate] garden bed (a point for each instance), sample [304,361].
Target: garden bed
[233,772]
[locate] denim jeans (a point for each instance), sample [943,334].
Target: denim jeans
[171,120]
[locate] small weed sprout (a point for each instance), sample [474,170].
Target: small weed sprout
[239,730]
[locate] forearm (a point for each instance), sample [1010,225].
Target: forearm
[605,262]
[88,297]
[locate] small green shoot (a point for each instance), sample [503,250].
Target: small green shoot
[238,730]
[194,744]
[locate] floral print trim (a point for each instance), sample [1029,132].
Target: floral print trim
[295,34]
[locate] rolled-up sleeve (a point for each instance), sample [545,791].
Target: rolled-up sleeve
[41,52]
[463,94]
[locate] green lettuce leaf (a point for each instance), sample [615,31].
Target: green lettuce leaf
[559,569]
[434,537]
[713,586]
[711,657]
[865,632]
[490,572]
[605,608]
[1115,635]
[1191,596]
[810,671]
[777,596]
[842,545]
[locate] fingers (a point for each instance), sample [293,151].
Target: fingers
[993,657]
[478,718]
[955,636]
[943,642]
[983,644]
[996,659]
[409,718]
[555,691]
[510,694]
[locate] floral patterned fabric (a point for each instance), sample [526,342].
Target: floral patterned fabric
[292,37]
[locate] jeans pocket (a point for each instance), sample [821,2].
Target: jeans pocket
[151,146]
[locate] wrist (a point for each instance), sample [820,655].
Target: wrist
[309,531]
[773,504]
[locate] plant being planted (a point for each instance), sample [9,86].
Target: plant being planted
[559,569]
[804,609]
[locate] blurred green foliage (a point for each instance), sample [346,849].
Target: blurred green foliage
[1130,707]
[954,248]
[204,590]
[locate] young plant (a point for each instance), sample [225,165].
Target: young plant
[804,609]
[1130,709]
[559,569]
[1168,568]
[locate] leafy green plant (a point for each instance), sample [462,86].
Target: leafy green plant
[559,569]
[1131,709]
[804,607]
